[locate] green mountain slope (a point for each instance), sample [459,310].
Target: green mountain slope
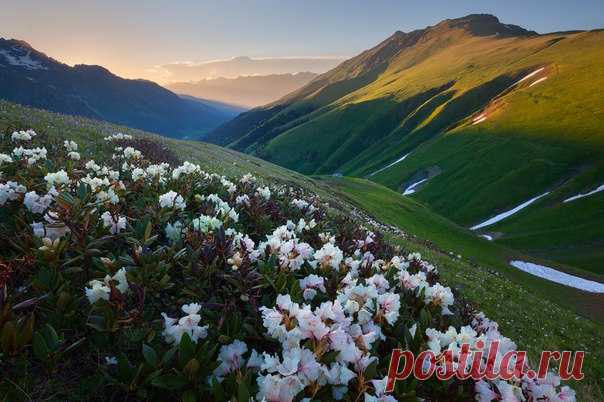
[491,116]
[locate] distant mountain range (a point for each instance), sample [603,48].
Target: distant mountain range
[246,91]
[31,78]
[472,116]
[244,66]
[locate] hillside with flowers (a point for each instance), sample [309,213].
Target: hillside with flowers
[488,113]
[135,268]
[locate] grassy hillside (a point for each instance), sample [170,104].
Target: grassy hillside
[536,314]
[483,267]
[490,116]
[419,221]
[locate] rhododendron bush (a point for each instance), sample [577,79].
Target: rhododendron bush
[136,278]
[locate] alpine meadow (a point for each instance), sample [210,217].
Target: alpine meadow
[273,221]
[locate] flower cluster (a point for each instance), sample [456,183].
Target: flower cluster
[32,156]
[72,150]
[118,137]
[188,324]
[23,135]
[10,191]
[101,290]
[299,303]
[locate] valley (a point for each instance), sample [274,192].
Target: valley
[472,117]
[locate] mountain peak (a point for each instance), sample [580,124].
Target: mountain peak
[482,25]
[19,54]
[15,43]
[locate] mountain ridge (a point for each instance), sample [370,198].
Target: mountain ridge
[246,91]
[32,78]
[489,114]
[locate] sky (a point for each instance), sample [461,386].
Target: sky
[133,37]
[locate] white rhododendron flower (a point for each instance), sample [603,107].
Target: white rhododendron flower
[138,173]
[311,284]
[131,153]
[206,224]
[32,156]
[70,146]
[4,158]
[185,169]
[329,256]
[109,196]
[174,231]
[264,192]
[230,358]
[23,135]
[189,324]
[118,137]
[172,200]
[439,296]
[10,191]
[242,200]
[115,223]
[56,179]
[247,178]
[101,290]
[37,204]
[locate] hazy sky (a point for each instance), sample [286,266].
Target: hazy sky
[130,37]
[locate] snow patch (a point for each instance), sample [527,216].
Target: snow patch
[402,158]
[489,238]
[479,119]
[21,60]
[506,214]
[483,116]
[559,277]
[411,189]
[580,195]
[526,77]
[538,81]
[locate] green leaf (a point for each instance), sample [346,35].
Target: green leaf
[189,396]
[83,191]
[186,349]
[51,337]
[191,369]
[150,355]
[330,357]
[148,230]
[281,282]
[217,390]
[74,345]
[371,370]
[242,392]
[9,337]
[97,322]
[172,382]
[125,371]
[295,292]
[40,348]
[27,331]
[424,318]
[168,355]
